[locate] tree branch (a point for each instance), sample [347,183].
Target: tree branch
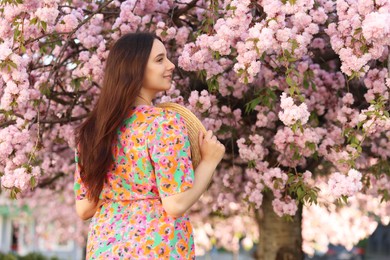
[7,123]
[50,181]
[176,13]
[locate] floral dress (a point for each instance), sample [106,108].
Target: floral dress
[151,161]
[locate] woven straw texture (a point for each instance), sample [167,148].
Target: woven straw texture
[193,126]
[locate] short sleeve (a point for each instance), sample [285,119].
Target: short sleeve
[79,189]
[169,149]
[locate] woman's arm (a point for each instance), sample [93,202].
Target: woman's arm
[212,152]
[176,205]
[86,209]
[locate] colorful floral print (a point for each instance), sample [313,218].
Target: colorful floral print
[151,160]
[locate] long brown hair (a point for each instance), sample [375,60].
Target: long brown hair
[123,76]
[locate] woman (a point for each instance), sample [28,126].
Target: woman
[134,173]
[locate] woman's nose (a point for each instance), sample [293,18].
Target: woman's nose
[171,66]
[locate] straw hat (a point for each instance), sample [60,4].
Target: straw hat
[193,126]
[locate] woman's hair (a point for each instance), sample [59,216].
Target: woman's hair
[123,77]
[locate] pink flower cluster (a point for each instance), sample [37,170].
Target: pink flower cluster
[275,179]
[292,113]
[253,149]
[70,21]
[201,102]
[350,223]
[303,144]
[347,185]
[230,85]
[15,147]
[381,147]
[265,118]
[46,14]
[361,33]
[374,121]
[164,32]
[285,206]
[198,55]
[375,82]
[90,36]
[327,83]
[347,115]
[254,187]
[128,21]
[5,50]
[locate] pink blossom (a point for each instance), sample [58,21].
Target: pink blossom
[68,23]
[292,113]
[376,26]
[287,206]
[347,185]
[319,15]
[275,178]
[47,14]
[5,50]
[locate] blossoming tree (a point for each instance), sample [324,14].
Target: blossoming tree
[298,91]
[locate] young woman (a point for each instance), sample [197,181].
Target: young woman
[134,173]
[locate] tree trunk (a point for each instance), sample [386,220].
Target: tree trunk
[279,239]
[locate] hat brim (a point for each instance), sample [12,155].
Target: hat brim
[194,126]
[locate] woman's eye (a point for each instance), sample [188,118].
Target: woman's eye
[160,60]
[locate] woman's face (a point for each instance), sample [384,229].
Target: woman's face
[158,73]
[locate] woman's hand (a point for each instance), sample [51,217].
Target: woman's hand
[211,149]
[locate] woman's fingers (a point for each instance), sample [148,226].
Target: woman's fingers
[201,136]
[208,137]
[209,134]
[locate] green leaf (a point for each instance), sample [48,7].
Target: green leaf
[45,90]
[246,80]
[291,91]
[344,199]
[34,21]
[305,83]
[291,179]
[33,182]
[354,140]
[313,86]
[213,84]
[250,106]
[251,164]
[44,25]
[300,193]
[14,192]
[310,145]
[294,127]
[290,82]
[17,32]
[358,30]
[296,156]
[12,64]
[262,58]
[22,48]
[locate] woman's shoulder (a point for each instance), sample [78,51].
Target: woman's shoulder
[156,114]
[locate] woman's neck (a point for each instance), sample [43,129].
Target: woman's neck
[142,101]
